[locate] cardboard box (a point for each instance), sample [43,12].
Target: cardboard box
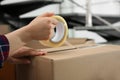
[5,29]
[94,62]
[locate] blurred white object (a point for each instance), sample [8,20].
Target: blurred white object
[71,33]
[5,2]
[90,35]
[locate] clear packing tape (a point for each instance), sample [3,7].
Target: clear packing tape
[60,35]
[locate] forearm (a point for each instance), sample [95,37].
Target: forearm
[17,39]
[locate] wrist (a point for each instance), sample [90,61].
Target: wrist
[24,34]
[18,38]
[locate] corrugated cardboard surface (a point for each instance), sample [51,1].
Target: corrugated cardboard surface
[98,62]
[4,29]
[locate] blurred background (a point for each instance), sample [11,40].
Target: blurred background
[93,19]
[100,18]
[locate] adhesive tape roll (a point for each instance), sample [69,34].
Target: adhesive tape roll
[60,35]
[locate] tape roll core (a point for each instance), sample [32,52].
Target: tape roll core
[60,31]
[60,35]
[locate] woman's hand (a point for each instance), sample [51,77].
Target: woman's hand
[22,55]
[40,28]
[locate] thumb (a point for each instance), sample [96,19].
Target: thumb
[47,14]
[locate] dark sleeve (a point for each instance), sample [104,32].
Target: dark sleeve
[4,49]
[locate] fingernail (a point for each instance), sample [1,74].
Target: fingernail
[42,53]
[28,62]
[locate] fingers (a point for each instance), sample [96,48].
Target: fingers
[19,60]
[23,55]
[26,51]
[47,14]
[52,22]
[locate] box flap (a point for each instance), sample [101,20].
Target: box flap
[84,51]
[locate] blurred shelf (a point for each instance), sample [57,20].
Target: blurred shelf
[106,31]
[114,42]
[18,7]
[94,28]
[19,2]
[79,19]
